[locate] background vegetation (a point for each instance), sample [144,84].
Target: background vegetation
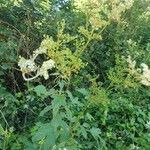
[96,97]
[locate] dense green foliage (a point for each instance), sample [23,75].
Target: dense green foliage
[96,97]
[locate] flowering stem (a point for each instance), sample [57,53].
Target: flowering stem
[29,79]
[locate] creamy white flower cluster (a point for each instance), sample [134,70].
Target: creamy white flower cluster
[143,72]
[131,65]
[28,66]
[43,71]
[134,147]
[146,14]
[92,9]
[84,5]
[145,76]
[147,125]
[118,8]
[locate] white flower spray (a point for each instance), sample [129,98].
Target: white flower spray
[143,72]
[28,66]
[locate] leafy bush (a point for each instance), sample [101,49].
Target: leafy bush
[74,75]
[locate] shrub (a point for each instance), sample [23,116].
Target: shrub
[74,75]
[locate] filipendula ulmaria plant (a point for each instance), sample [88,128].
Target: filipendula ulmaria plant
[59,55]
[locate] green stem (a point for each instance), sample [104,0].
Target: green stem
[79,53]
[5,140]
[4,118]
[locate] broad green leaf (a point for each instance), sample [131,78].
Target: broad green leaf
[74,100]
[58,101]
[45,110]
[83,132]
[45,133]
[40,90]
[1,130]
[95,132]
[83,91]
[89,116]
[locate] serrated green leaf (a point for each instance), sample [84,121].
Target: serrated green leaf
[40,90]
[45,110]
[83,91]
[95,132]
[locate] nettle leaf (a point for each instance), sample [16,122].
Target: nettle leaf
[5,66]
[89,117]
[95,132]
[44,134]
[61,85]
[83,91]
[69,115]
[6,95]
[70,95]
[61,128]
[83,132]
[74,100]
[45,110]
[1,130]
[41,91]
[58,101]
